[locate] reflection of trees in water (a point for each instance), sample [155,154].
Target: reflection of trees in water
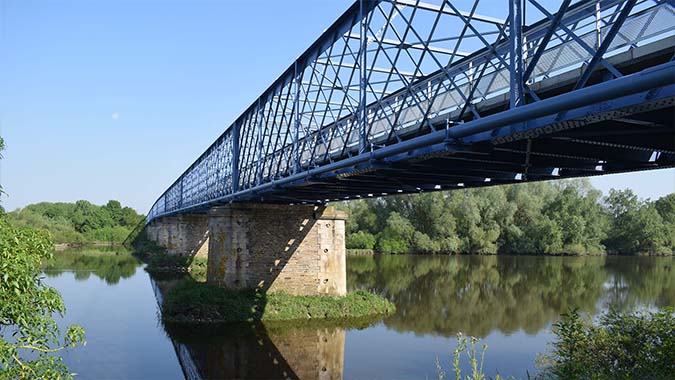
[478,294]
[640,281]
[111,265]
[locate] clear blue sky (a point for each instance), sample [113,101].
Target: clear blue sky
[114,99]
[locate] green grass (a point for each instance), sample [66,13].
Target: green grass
[194,302]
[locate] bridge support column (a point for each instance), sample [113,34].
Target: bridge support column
[278,248]
[181,235]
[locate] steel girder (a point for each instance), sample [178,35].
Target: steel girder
[403,81]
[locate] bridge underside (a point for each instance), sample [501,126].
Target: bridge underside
[626,139]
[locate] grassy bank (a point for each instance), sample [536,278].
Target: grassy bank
[195,302]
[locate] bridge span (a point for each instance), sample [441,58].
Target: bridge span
[409,96]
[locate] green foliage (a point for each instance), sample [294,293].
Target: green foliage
[360,240]
[567,217]
[466,347]
[80,221]
[194,302]
[30,334]
[641,227]
[144,247]
[622,347]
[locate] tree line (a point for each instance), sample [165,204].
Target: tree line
[79,222]
[561,217]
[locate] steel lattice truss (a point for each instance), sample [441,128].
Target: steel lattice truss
[394,86]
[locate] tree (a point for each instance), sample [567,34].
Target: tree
[638,227]
[397,236]
[29,336]
[666,208]
[360,240]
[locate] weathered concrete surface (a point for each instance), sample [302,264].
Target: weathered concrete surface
[181,235]
[295,249]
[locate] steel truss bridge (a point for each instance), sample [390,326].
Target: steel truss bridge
[405,96]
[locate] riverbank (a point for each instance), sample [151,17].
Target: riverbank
[195,302]
[64,246]
[371,252]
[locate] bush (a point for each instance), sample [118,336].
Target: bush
[30,336]
[361,240]
[622,346]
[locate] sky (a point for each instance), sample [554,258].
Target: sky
[114,99]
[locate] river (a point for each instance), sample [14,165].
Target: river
[509,302]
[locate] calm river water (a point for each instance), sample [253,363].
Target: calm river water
[510,302]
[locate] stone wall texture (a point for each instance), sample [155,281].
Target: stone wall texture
[294,249]
[181,235]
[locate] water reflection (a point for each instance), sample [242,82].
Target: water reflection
[500,298]
[509,300]
[107,263]
[257,350]
[476,295]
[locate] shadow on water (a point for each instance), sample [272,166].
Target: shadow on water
[476,295]
[107,263]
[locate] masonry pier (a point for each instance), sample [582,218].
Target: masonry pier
[298,249]
[181,235]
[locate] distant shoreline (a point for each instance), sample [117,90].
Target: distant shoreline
[64,246]
[370,252]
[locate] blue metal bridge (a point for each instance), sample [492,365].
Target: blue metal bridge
[406,96]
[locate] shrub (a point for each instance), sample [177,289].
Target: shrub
[623,346]
[361,240]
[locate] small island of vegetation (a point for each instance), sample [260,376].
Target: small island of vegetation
[197,302]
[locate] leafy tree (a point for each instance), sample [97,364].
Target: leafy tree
[27,307]
[544,217]
[666,208]
[80,221]
[638,227]
[579,217]
[397,236]
[29,335]
[360,240]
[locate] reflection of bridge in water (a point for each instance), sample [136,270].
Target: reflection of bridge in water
[256,350]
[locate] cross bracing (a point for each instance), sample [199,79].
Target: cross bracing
[401,96]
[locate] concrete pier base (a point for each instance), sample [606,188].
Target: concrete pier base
[295,249]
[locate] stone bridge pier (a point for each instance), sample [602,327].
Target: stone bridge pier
[297,249]
[181,235]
